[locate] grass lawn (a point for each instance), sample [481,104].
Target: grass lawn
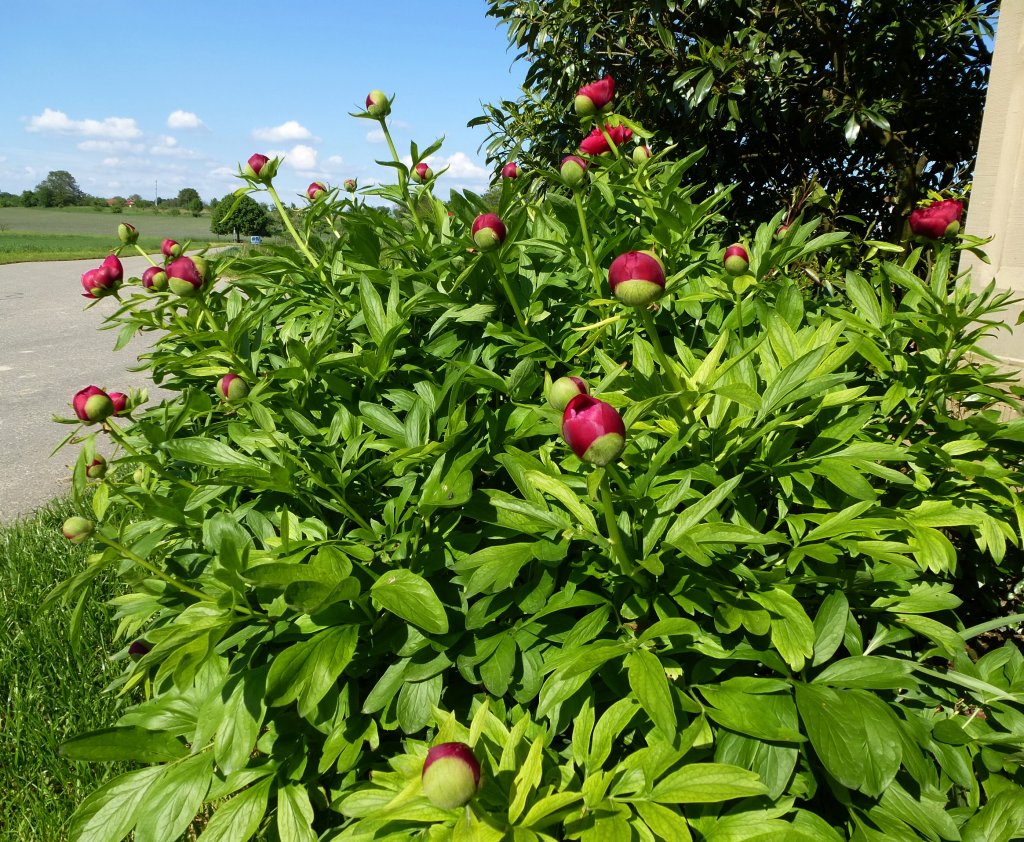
[49,689]
[30,234]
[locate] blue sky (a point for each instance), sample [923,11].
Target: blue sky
[126,95]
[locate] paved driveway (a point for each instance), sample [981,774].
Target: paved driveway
[50,347]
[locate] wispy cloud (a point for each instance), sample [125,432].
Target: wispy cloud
[57,121]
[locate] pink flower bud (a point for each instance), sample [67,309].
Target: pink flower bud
[183,277]
[421,173]
[593,430]
[92,404]
[451,775]
[97,468]
[127,233]
[377,104]
[154,278]
[489,231]
[351,185]
[77,529]
[170,249]
[573,169]
[736,259]
[113,264]
[637,278]
[564,389]
[597,144]
[119,400]
[641,154]
[937,220]
[232,388]
[98,282]
[511,170]
[315,190]
[594,97]
[254,166]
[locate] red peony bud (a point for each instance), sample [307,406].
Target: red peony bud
[736,259]
[597,144]
[232,388]
[564,389]
[594,97]
[378,105]
[98,282]
[119,400]
[641,154]
[511,170]
[184,277]
[154,278]
[127,233]
[77,529]
[421,173]
[97,468]
[92,404]
[351,185]
[315,191]
[573,169]
[489,231]
[112,263]
[593,430]
[637,278]
[451,775]
[937,220]
[138,650]
[254,166]
[170,249]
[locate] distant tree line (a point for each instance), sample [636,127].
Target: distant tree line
[60,190]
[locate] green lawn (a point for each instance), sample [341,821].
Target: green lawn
[49,689]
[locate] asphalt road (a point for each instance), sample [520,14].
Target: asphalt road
[50,347]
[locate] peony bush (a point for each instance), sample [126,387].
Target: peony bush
[576,519]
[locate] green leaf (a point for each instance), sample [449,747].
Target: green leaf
[526,779]
[792,631]
[664,822]
[704,783]
[649,682]
[307,670]
[855,735]
[174,799]
[409,596]
[208,452]
[830,626]
[764,716]
[108,814]
[773,764]
[294,815]
[125,743]
[870,673]
[238,819]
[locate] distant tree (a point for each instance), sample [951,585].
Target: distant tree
[28,199]
[44,197]
[195,206]
[187,195]
[248,219]
[136,199]
[59,189]
[8,200]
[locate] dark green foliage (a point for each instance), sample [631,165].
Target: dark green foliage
[245,217]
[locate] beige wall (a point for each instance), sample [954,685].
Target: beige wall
[997,197]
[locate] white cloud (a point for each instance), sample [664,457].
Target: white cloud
[462,167]
[223,172]
[166,140]
[301,157]
[58,121]
[375,136]
[184,120]
[335,160]
[109,146]
[290,130]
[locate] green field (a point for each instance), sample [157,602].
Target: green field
[30,234]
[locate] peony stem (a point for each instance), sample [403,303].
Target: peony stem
[402,181]
[291,228]
[659,350]
[142,251]
[614,535]
[609,141]
[156,571]
[511,296]
[588,246]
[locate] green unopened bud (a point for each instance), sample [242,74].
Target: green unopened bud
[77,529]
[127,233]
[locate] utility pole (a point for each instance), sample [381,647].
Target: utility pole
[156,193]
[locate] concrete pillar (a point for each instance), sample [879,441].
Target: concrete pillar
[997,196]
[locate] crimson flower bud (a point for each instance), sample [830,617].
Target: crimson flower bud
[637,278]
[564,389]
[937,220]
[378,104]
[596,143]
[119,400]
[98,282]
[641,154]
[113,263]
[170,249]
[154,278]
[92,404]
[573,169]
[138,650]
[736,259]
[315,190]
[593,429]
[97,468]
[254,166]
[451,775]
[183,277]
[77,529]
[594,97]
[351,185]
[232,388]
[489,231]
[127,233]
[421,173]
[511,170]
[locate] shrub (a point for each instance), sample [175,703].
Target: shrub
[749,625]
